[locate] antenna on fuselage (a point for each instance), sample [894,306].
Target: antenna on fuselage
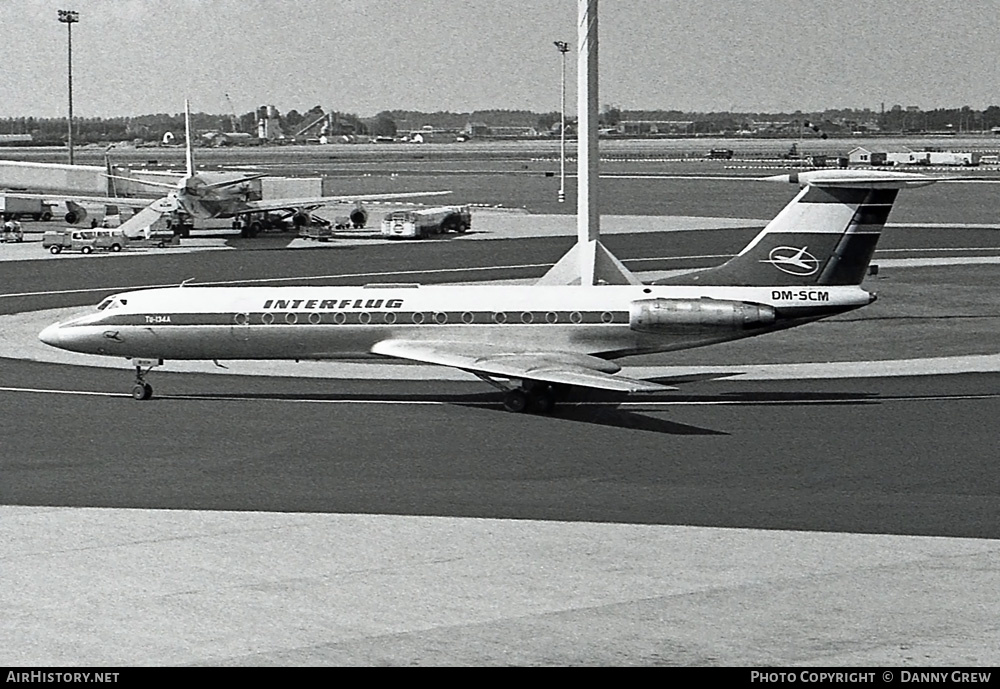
[588,262]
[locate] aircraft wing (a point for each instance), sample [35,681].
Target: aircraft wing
[314,202]
[568,368]
[129,202]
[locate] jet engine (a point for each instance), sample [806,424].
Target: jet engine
[301,218]
[359,218]
[75,213]
[681,315]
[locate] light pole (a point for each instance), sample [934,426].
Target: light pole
[69,18]
[563,48]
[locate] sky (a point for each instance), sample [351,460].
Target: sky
[133,57]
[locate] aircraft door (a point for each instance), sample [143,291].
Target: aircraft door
[241,327]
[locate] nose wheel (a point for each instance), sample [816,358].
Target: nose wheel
[142,391]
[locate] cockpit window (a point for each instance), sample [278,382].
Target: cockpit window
[112,303]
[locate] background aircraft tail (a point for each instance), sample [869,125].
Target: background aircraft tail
[825,236]
[188,143]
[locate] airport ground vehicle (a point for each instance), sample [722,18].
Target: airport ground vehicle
[322,230]
[12,232]
[84,241]
[416,223]
[720,154]
[317,230]
[17,208]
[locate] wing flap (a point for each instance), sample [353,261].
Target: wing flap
[568,368]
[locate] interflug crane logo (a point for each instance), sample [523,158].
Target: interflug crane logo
[793,260]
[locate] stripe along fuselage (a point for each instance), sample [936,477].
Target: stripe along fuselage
[346,322]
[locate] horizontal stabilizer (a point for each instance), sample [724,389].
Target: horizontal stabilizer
[232,182]
[854,179]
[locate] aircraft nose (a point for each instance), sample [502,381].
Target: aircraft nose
[52,335]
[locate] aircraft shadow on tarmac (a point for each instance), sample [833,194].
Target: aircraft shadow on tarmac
[597,411]
[279,242]
[596,408]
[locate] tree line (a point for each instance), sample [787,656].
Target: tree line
[147,128]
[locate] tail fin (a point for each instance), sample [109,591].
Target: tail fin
[825,236]
[187,139]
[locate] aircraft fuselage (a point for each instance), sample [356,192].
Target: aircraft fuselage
[201,201]
[346,322]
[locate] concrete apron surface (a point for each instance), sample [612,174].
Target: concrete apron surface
[97,587]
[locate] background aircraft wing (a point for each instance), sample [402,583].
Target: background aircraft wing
[101,200]
[313,202]
[551,367]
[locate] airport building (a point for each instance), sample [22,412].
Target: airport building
[881,155]
[653,127]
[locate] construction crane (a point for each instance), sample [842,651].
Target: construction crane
[235,120]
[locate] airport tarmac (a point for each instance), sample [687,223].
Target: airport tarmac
[487,224]
[773,518]
[178,587]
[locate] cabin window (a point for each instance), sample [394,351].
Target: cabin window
[607,317]
[551,317]
[389,317]
[468,317]
[499,317]
[364,318]
[315,318]
[267,318]
[339,318]
[241,319]
[526,317]
[576,317]
[418,317]
[440,318]
[291,318]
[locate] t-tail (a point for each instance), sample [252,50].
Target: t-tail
[825,236]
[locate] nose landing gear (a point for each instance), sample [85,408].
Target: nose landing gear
[143,390]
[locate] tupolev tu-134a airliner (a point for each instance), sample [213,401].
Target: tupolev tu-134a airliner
[533,342]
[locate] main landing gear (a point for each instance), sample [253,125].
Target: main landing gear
[536,401]
[143,390]
[531,396]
